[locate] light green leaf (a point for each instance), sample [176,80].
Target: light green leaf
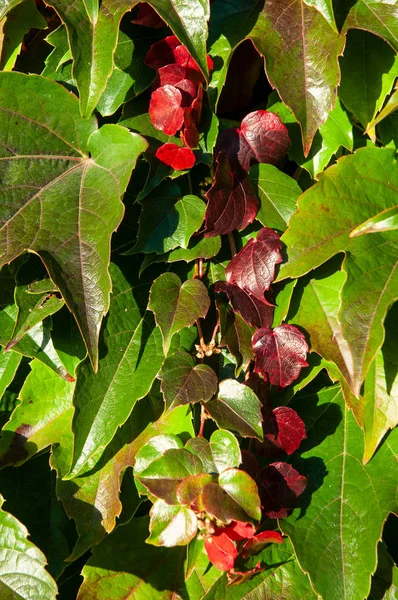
[171,525]
[6,5]
[9,363]
[283,294]
[386,220]
[55,151]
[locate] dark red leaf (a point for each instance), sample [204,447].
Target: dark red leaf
[176,157]
[148,16]
[257,543]
[259,387]
[290,429]
[279,353]
[165,109]
[232,203]
[254,312]
[170,75]
[162,53]
[280,486]
[237,530]
[192,115]
[250,464]
[221,551]
[253,268]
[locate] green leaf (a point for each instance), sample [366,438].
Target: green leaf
[385,580]
[9,363]
[6,5]
[225,450]
[55,151]
[22,573]
[389,108]
[386,220]
[171,525]
[369,68]
[236,335]
[93,33]
[283,292]
[135,116]
[13,27]
[307,77]
[183,382]
[153,449]
[335,132]
[278,195]
[166,224]
[131,356]
[191,487]
[379,17]
[197,248]
[177,305]
[354,500]
[58,62]
[281,579]
[238,408]
[241,487]
[39,420]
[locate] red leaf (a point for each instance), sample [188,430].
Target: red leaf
[254,312]
[148,16]
[237,530]
[250,464]
[162,53]
[192,115]
[253,268]
[221,551]
[279,353]
[165,109]
[176,157]
[257,543]
[262,138]
[232,203]
[290,429]
[280,486]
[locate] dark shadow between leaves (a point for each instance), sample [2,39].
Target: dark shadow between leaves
[17,448]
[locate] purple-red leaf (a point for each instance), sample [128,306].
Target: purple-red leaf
[253,268]
[162,53]
[148,16]
[257,543]
[279,489]
[232,203]
[165,109]
[262,138]
[176,157]
[221,551]
[254,312]
[283,430]
[280,353]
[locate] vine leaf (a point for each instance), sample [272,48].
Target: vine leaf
[280,486]
[9,363]
[129,362]
[238,408]
[221,551]
[253,268]
[386,220]
[283,429]
[183,382]
[308,74]
[176,157]
[171,525]
[257,313]
[93,33]
[379,18]
[280,353]
[236,335]
[177,305]
[55,151]
[220,453]
[23,570]
[352,498]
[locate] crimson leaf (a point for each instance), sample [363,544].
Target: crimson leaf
[253,311]
[253,268]
[176,157]
[232,201]
[238,530]
[162,53]
[221,551]
[279,489]
[257,543]
[148,17]
[280,353]
[165,109]
[283,430]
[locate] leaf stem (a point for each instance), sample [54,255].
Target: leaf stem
[213,337]
[232,245]
[203,418]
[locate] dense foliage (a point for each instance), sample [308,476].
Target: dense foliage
[198,336]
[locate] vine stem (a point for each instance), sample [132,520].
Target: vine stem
[232,244]
[213,337]
[200,332]
[202,420]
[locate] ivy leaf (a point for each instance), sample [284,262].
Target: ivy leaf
[131,356]
[253,268]
[23,572]
[278,195]
[93,33]
[183,382]
[369,68]
[280,353]
[232,203]
[166,110]
[257,313]
[56,153]
[283,295]
[379,18]
[236,335]
[308,75]
[166,223]
[9,363]
[386,220]
[284,429]
[171,525]
[280,486]
[238,408]
[221,551]
[243,489]
[353,499]
[177,305]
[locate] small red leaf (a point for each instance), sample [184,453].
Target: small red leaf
[237,530]
[232,203]
[257,543]
[165,109]
[253,268]
[162,52]
[192,115]
[279,489]
[176,157]
[221,551]
[279,353]
[254,312]
[148,16]
[290,429]
[170,75]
